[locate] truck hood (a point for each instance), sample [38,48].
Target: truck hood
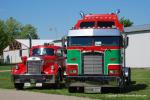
[34,58]
[45,59]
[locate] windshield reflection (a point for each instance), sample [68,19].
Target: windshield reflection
[43,51]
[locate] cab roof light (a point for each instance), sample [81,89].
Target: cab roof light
[96,17]
[114,18]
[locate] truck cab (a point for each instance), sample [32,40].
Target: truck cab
[45,65]
[96,53]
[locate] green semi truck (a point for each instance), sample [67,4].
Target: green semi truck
[96,54]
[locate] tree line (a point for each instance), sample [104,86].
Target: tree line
[11,29]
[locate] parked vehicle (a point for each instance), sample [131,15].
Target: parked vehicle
[45,65]
[96,54]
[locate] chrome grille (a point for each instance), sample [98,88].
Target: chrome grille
[34,67]
[92,63]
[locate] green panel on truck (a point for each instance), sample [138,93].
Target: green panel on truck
[111,57]
[74,57]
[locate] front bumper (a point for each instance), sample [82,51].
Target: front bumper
[34,78]
[93,81]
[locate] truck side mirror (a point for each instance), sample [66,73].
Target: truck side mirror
[59,53]
[126,42]
[64,40]
[64,49]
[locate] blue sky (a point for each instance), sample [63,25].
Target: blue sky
[53,18]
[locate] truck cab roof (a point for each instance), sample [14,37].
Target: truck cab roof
[99,21]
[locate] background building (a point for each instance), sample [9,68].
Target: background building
[18,48]
[138,51]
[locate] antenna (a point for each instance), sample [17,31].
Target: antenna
[82,14]
[117,11]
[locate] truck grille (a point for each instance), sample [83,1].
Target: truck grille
[93,63]
[34,67]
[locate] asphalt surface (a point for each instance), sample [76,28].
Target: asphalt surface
[26,95]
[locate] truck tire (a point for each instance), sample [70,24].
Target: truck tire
[122,85]
[71,89]
[75,89]
[60,75]
[129,77]
[19,86]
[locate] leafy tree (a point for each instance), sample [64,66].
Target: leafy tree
[126,22]
[18,31]
[3,36]
[28,29]
[11,29]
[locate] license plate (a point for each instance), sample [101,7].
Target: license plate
[38,84]
[92,89]
[97,89]
[27,84]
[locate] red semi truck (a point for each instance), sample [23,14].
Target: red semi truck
[45,65]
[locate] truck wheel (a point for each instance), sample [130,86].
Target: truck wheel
[129,77]
[72,89]
[19,86]
[122,86]
[60,75]
[121,89]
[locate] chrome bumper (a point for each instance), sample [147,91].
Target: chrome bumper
[93,81]
[34,78]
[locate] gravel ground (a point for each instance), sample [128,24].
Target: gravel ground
[26,95]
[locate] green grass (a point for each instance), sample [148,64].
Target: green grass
[8,67]
[5,78]
[139,91]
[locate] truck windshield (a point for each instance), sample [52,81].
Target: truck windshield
[43,51]
[97,41]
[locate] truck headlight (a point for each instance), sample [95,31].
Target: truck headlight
[17,67]
[114,70]
[72,71]
[52,67]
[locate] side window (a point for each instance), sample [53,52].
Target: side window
[87,24]
[105,24]
[59,52]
